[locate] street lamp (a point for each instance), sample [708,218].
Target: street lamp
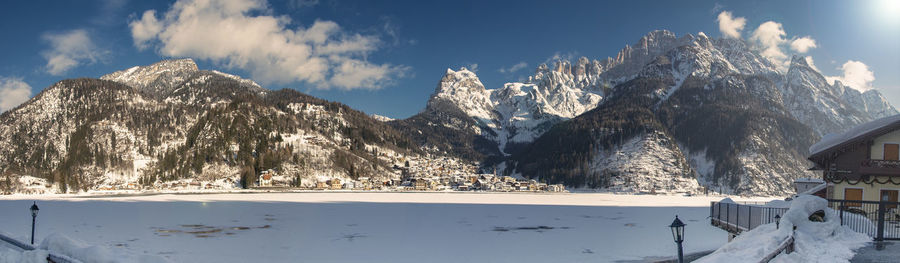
[678,234]
[34,211]
[777,221]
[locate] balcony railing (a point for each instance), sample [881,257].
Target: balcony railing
[872,163]
[880,167]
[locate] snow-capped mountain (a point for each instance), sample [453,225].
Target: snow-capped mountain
[671,95]
[668,113]
[519,112]
[169,122]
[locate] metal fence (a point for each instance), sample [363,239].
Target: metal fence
[878,219]
[737,218]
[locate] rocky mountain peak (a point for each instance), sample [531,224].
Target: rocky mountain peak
[157,78]
[460,79]
[799,61]
[146,74]
[463,89]
[656,39]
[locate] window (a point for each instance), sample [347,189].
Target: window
[889,196]
[853,194]
[891,151]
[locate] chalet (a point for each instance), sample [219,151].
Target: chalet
[503,187]
[321,185]
[803,185]
[481,185]
[419,184]
[556,188]
[863,163]
[335,184]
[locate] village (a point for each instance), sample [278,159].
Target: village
[419,174]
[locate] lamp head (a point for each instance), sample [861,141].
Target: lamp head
[34,209]
[677,229]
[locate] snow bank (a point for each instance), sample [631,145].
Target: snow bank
[778,204]
[9,255]
[813,241]
[61,244]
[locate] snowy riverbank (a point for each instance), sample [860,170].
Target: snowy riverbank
[374,227]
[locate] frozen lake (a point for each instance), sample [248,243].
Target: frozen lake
[375,227]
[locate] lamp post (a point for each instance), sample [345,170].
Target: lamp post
[34,211]
[777,221]
[678,234]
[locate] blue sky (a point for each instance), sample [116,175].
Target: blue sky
[386,57]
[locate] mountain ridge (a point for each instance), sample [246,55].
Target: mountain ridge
[791,98]
[196,125]
[666,114]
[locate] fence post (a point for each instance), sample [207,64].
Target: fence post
[728,214]
[750,217]
[719,216]
[842,212]
[880,221]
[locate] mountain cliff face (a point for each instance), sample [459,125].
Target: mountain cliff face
[170,121]
[493,122]
[666,114]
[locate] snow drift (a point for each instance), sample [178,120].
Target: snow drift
[61,244]
[826,241]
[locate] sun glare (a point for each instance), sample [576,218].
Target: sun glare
[888,11]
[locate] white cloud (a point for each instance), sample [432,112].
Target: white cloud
[145,30]
[69,50]
[731,26]
[13,92]
[473,67]
[803,44]
[242,34]
[558,56]
[769,37]
[856,75]
[514,68]
[716,8]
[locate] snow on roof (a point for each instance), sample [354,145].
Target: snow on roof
[809,180]
[832,140]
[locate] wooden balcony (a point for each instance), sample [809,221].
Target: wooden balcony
[880,167]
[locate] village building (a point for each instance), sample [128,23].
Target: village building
[419,184]
[335,184]
[320,185]
[556,188]
[862,163]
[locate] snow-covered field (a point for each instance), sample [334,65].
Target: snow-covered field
[373,227]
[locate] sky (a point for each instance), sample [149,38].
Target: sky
[387,57]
